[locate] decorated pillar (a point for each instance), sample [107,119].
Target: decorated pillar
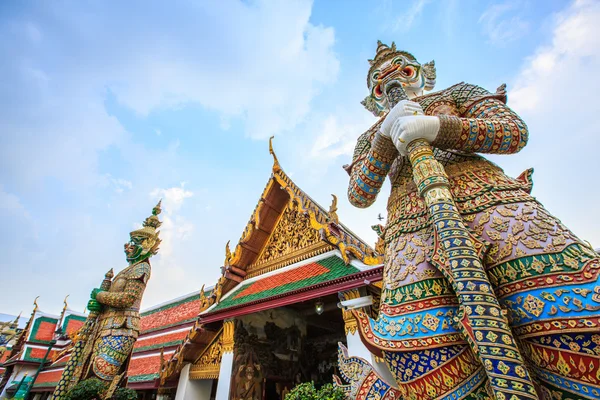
[226,371]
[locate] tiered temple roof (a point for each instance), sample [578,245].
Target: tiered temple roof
[33,343]
[164,327]
[291,250]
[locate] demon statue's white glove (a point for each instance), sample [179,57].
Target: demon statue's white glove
[407,129]
[404,108]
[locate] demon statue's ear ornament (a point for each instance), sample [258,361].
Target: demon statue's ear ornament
[370,104]
[430,75]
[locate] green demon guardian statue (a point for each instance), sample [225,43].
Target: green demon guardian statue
[485,294]
[106,340]
[119,321]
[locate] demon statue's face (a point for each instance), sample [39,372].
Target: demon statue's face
[390,68]
[399,69]
[134,249]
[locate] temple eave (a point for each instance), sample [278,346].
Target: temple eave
[306,293]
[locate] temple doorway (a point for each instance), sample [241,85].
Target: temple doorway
[279,348]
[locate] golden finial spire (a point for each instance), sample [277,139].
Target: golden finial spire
[162,359]
[333,210]
[62,313]
[276,166]
[227,254]
[35,304]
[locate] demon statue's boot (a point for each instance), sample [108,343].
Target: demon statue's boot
[439,335]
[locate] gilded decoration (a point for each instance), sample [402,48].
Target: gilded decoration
[208,364]
[227,340]
[327,233]
[350,323]
[292,235]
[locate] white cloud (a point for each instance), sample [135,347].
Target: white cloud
[174,226]
[338,133]
[264,67]
[405,20]
[119,184]
[11,204]
[172,198]
[169,266]
[501,23]
[255,64]
[557,92]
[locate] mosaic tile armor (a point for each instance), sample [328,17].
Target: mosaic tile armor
[119,323]
[544,277]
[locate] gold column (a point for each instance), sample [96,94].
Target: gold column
[227,338]
[350,323]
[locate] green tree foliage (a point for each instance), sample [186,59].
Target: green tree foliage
[307,391]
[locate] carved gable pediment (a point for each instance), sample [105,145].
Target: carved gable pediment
[208,365]
[291,240]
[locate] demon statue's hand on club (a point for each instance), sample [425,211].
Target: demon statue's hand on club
[436,332]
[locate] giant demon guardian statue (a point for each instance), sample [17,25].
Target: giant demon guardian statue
[485,294]
[105,342]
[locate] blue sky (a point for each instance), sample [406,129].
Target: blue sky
[105,107]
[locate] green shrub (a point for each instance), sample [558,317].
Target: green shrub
[330,392]
[89,389]
[307,391]
[125,394]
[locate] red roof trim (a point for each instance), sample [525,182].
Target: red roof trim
[307,293]
[157,350]
[166,330]
[20,362]
[153,384]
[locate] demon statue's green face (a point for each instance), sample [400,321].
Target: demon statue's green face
[392,67]
[134,251]
[144,242]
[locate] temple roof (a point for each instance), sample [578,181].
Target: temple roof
[164,328]
[144,369]
[22,321]
[172,313]
[286,280]
[290,244]
[286,227]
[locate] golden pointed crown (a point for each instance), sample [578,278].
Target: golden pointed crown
[149,230]
[150,224]
[383,53]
